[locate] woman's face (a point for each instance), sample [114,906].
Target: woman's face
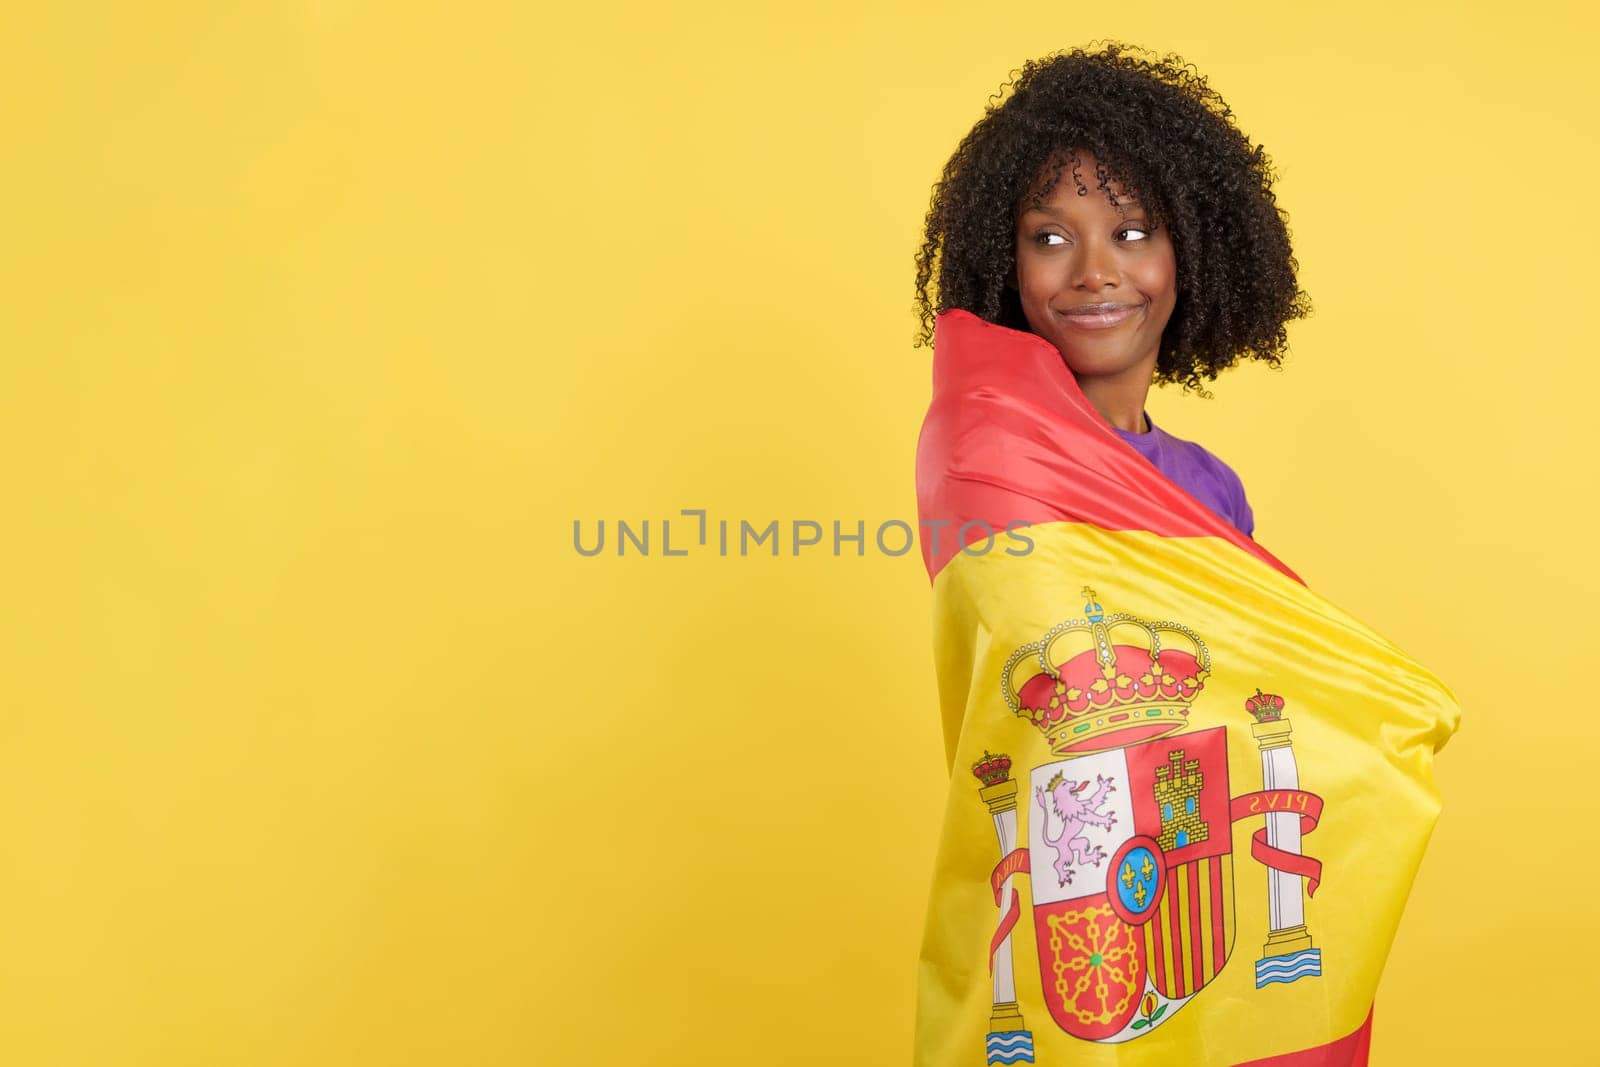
[1094,281]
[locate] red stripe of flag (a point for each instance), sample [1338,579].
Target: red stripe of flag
[1351,1050]
[1010,438]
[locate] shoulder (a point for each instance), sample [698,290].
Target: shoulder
[1228,484]
[1201,456]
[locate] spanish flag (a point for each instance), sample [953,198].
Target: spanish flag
[1188,796]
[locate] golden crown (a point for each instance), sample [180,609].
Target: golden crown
[1090,693]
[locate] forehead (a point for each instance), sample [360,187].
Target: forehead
[1073,181]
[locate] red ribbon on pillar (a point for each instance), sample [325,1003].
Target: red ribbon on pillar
[1282,802]
[1013,862]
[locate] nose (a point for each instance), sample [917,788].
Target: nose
[1096,267]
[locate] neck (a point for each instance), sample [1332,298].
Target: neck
[1120,398]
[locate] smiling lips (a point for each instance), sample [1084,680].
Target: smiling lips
[1100,316]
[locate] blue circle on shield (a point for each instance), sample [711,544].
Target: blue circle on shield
[1136,879]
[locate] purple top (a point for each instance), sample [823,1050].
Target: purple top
[1196,471]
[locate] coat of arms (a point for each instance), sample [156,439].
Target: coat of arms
[1129,834]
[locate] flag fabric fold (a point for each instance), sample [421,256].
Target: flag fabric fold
[1188,796]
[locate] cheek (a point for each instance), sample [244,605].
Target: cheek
[1160,280]
[1028,288]
[1036,282]
[1024,270]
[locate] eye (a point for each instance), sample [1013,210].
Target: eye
[1143,232]
[1040,237]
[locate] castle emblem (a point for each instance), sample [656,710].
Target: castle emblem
[1178,795]
[1129,850]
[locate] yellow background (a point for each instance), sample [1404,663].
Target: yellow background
[324,321]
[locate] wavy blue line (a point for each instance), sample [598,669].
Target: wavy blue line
[1020,1052]
[1274,969]
[1262,983]
[1010,1037]
[1263,979]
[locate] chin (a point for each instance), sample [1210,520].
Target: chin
[1080,361]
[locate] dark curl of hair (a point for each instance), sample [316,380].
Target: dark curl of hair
[1165,136]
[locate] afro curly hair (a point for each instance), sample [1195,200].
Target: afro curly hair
[1164,136]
